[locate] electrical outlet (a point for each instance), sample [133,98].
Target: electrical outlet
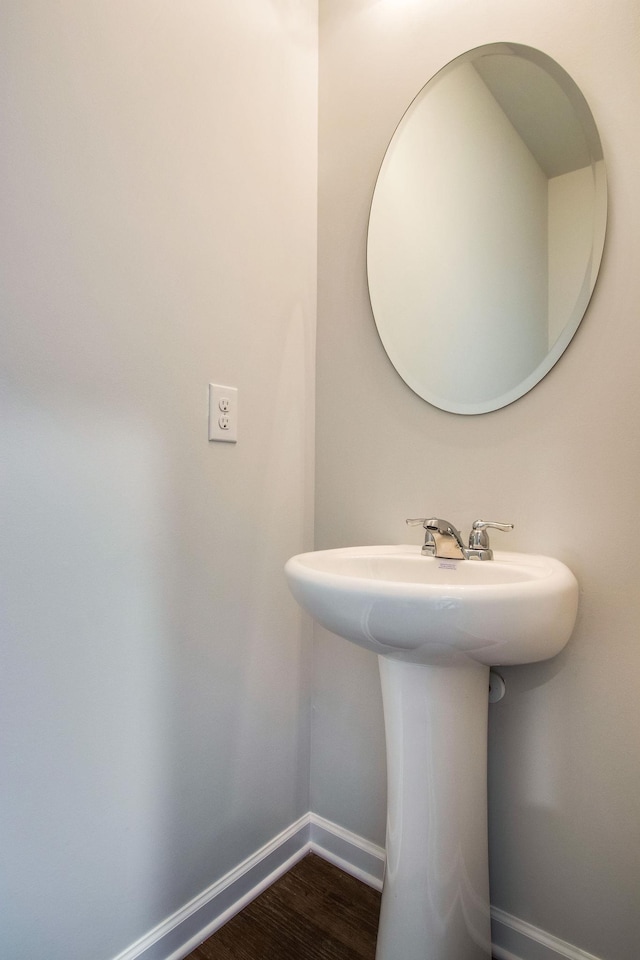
[223,413]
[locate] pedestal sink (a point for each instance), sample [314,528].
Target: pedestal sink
[437,626]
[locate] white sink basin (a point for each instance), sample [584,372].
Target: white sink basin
[420,614]
[516,608]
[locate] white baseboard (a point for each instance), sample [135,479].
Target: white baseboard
[514,939]
[181,933]
[353,854]
[186,929]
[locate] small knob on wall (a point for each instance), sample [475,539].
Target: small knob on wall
[496,687]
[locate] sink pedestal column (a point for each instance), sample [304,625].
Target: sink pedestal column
[435,899]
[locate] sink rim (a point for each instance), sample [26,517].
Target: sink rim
[537,570]
[513,622]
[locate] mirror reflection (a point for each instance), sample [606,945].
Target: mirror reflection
[486,228]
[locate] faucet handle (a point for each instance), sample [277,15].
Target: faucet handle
[479,538]
[429,545]
[438,525]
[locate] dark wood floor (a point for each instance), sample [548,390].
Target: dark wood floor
[314,912]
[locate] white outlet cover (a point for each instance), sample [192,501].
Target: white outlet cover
[223,413]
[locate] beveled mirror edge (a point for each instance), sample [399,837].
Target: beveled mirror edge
[589,126]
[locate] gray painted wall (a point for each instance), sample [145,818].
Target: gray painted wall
[158,231]
[562,464]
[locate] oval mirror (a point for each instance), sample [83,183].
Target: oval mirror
[486,228]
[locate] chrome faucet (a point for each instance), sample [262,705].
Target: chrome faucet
[443,540]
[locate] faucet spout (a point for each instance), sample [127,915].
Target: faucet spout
[442,539]
[449,543]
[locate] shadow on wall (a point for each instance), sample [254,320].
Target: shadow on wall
[86,711]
